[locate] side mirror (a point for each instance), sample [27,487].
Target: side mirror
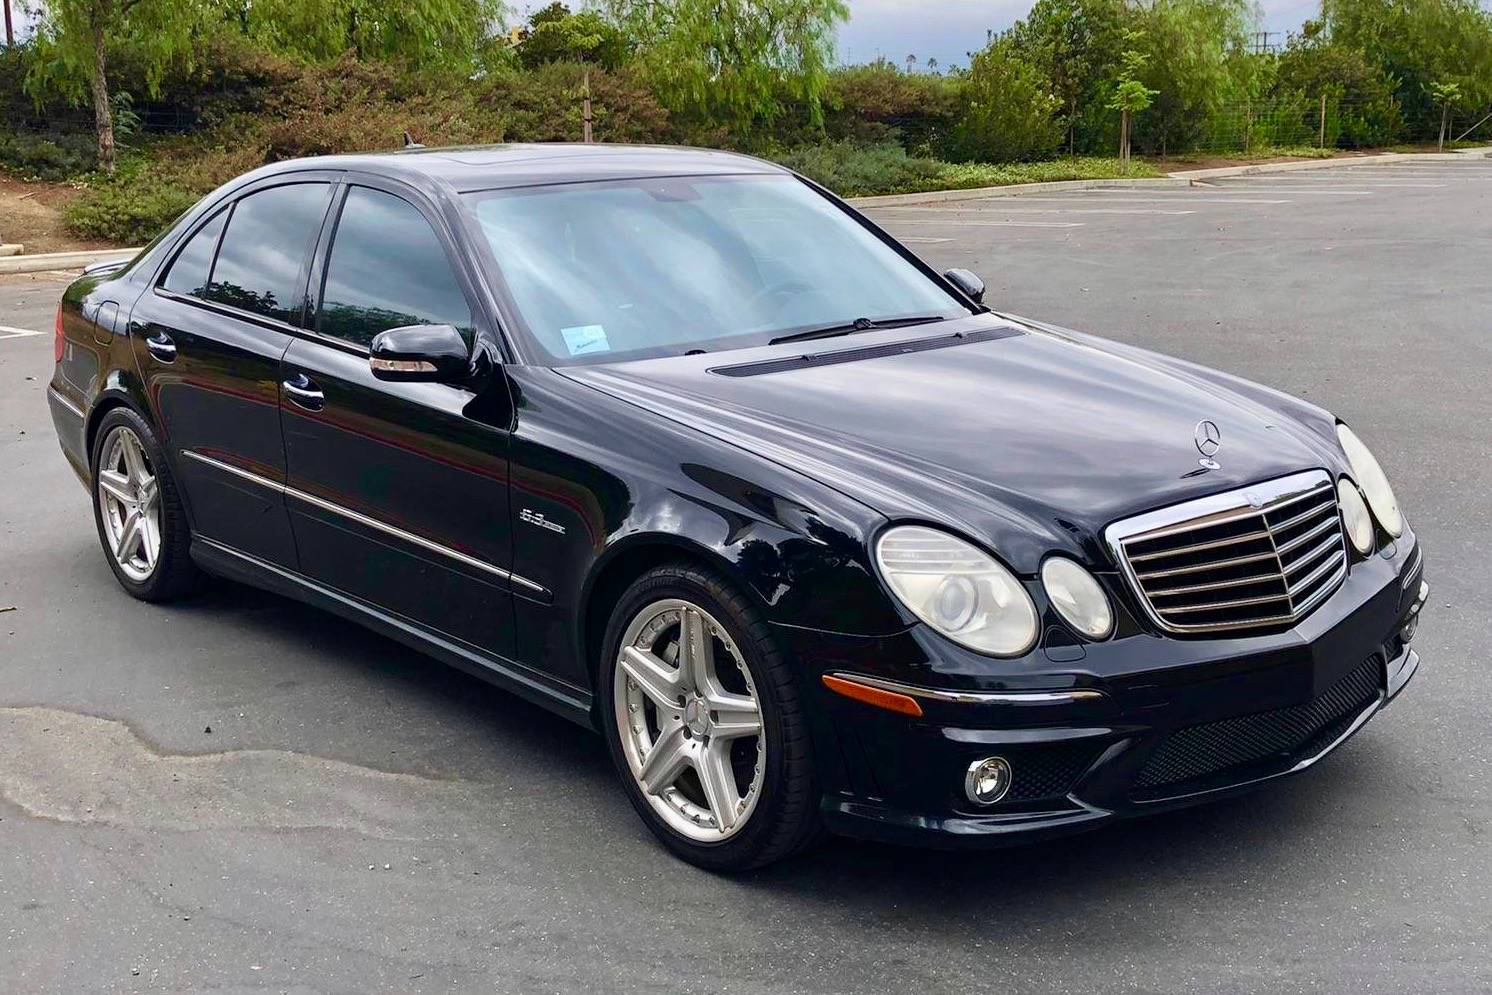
[421,353]
[971,286]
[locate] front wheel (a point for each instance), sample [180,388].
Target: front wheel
[704,722]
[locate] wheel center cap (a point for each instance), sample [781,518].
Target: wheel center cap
[697,716]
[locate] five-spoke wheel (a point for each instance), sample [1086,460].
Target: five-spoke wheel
[691,727]
[130,498]
[705,722]
[141,522]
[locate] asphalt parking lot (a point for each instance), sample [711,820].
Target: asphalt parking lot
[359,818]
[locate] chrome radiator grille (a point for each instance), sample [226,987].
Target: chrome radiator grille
[1261,556]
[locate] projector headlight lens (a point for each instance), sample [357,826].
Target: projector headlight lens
[958,589]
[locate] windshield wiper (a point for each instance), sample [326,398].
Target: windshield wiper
[858,325]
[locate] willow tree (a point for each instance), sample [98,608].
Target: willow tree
[76,37]
[418,32]
[734,61]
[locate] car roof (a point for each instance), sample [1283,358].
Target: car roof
[494,167]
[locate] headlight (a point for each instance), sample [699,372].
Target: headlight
[1355,516]
[1077,597]
[958,589]
[1373,481]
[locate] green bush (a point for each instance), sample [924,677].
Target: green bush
[47,157]
[852,169]
[131,212]
[1009,111]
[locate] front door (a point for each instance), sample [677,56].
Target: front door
[397,496]
[209,338]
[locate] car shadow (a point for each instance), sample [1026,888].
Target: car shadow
[1270,834]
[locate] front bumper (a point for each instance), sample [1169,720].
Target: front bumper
[1136,725]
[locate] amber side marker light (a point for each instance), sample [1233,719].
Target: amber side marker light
[889,700]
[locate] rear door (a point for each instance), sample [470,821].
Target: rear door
[398,492]
[208,340]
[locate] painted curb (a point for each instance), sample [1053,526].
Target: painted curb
[62,260]
[1011,190]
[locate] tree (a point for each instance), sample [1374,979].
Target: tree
[1008,108]
[1444,94]
[1419,44]
[734,61]
[1131,96]
[76,37]
[557,35]
[418,32]
[1076,44]
[1192,50]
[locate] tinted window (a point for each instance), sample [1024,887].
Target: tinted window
[259,267]
[188,273]
[387,269]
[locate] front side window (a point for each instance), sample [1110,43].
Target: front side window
[661,266]
[387,269]
[261,265]
[189,270]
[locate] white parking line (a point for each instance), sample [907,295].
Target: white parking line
[1180,195]
[1247,188]
[1368,187]
[921,239]
[11,332]
[956,223]
[1029,210]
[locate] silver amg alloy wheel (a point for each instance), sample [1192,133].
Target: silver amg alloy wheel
[129,502]
[689,720]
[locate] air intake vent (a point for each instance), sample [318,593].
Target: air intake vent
[1263,556]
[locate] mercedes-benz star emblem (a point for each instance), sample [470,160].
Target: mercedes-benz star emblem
[1209,439]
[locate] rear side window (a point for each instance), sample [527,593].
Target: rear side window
[261,265]
[387,269]
[188,272]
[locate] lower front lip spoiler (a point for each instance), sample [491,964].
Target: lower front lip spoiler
[1399,672]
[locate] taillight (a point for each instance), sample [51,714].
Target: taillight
[58,342]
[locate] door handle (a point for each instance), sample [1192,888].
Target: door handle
[161,347]
[302,390]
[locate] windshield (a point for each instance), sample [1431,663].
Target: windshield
[653,267]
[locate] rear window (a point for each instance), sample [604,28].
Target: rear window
[189,271]
[260,266]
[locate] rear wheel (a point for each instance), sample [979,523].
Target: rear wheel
[137,509]
[704,723]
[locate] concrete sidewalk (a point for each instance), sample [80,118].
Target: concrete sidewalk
[1173,179]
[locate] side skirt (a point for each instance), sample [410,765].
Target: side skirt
[223,561]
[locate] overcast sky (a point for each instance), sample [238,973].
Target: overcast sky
[949,29]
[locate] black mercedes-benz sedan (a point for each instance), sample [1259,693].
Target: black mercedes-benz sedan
[678,445]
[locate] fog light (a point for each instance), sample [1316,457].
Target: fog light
[987,780]
[1409,628]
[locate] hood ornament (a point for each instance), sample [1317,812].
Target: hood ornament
[1209,439]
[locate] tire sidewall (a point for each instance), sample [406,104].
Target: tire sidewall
[740,850]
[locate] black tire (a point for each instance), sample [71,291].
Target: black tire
[174,574]
[786,818]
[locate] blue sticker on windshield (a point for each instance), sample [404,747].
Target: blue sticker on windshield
[585,338]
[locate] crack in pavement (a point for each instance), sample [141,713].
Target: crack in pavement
[69,767]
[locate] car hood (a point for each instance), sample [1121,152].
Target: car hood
[1029,437]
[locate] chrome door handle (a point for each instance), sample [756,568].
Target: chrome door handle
[302,390]
[161,347]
